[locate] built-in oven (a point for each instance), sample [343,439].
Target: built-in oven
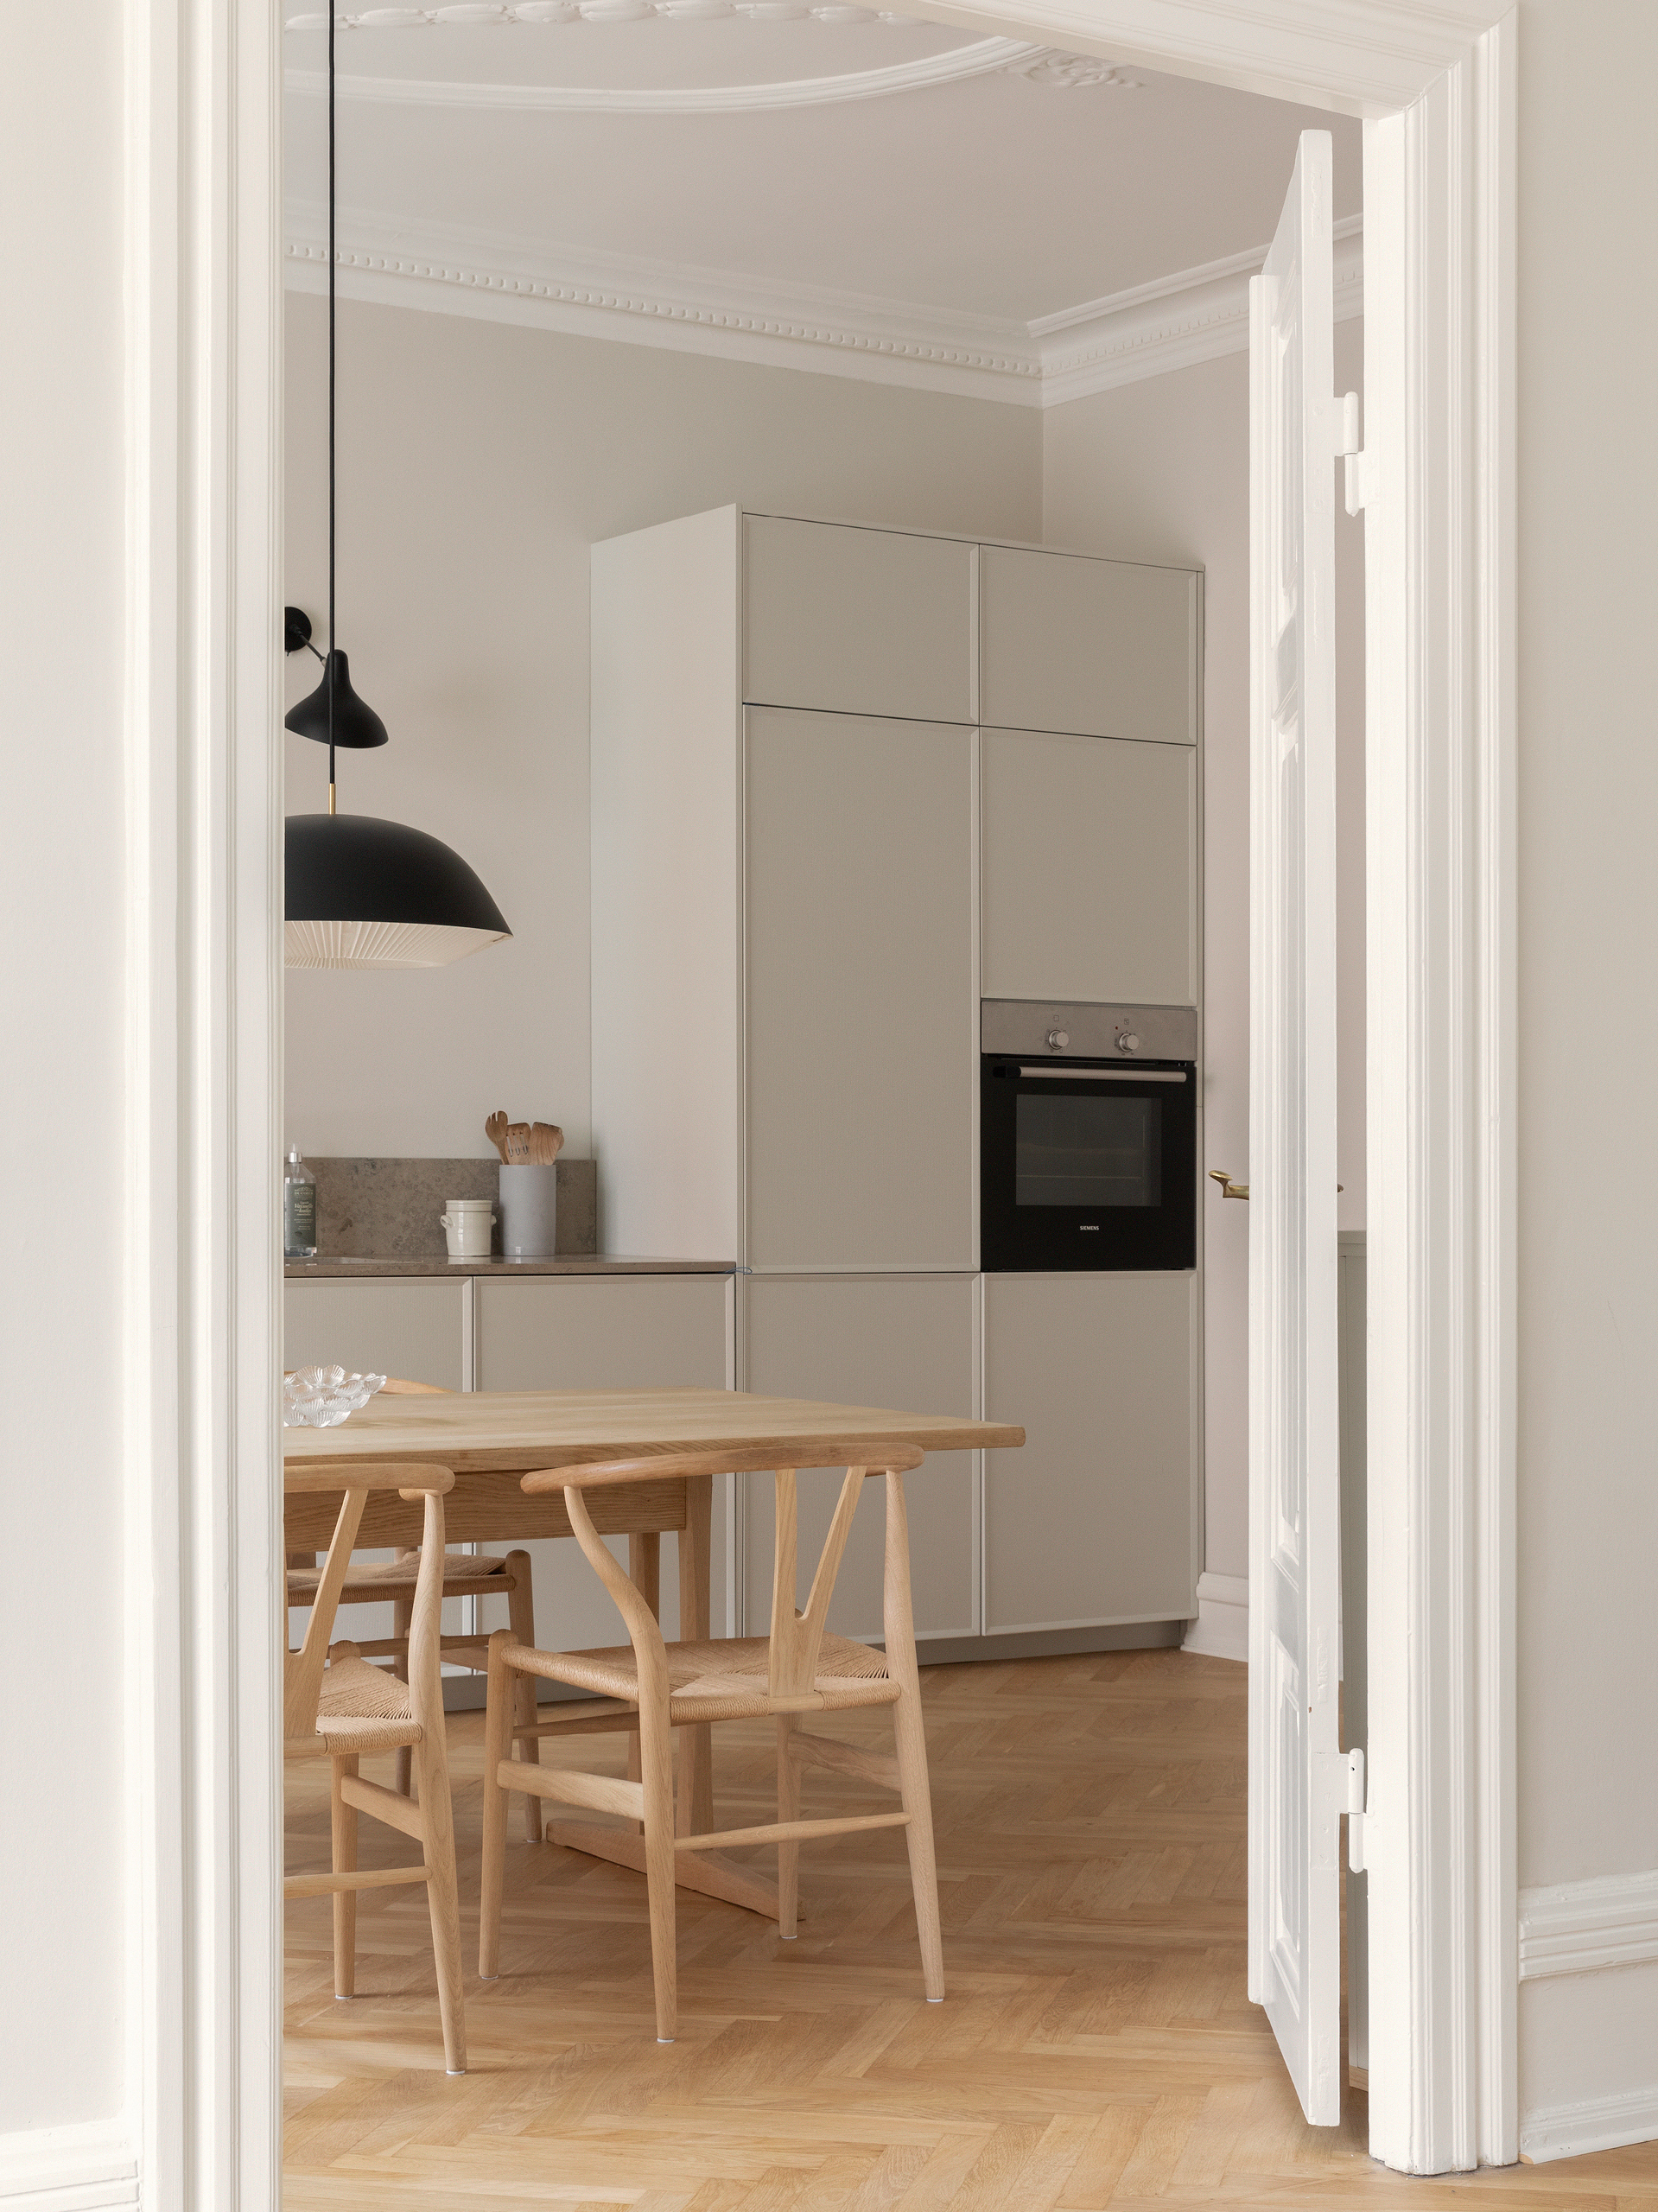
[1088,1136]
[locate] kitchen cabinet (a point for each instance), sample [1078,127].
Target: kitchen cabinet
[1095,1520]
[871,1340]
[1102,648]
[861,1001]
[380,1324]
[604,1332]
[1088,869]
[858,621]
[786,942]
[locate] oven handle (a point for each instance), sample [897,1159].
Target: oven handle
[1053,1073]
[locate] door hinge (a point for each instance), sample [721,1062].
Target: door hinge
[1355,1860]
[1358,464]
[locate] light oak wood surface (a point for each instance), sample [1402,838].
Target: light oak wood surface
[1097,2049]
[513,1431]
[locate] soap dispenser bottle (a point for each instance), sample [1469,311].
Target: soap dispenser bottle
[298,1208]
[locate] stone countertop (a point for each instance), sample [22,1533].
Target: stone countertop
[584,1263]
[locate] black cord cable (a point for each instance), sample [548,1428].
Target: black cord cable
[331,664]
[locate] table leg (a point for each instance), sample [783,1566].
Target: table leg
[695,1814]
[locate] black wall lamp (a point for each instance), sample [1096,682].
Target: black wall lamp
[361,892]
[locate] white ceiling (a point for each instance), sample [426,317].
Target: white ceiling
[1002,197]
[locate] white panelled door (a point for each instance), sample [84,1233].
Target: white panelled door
[1297,1774]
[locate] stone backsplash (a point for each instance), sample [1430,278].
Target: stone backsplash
[389,1209]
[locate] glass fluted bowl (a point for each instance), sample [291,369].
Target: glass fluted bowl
[322,1397]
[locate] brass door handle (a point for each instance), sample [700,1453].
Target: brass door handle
[1231,1189]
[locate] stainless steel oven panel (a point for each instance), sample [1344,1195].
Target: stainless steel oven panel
[1096,1033]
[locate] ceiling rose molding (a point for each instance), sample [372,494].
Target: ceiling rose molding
[1065,72]
[1196,315]
[984,57]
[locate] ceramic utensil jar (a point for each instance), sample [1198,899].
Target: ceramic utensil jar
[466,1223]
[528,1212]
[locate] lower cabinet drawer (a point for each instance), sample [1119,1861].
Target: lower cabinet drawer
[603,1333]
[906,1341]
[1095,1521]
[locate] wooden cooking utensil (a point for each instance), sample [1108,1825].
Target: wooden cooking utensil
[495,1130]
[546,1142]
[517,1144]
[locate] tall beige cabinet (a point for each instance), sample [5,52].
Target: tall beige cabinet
[846,784]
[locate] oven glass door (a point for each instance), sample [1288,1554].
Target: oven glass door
[1088,1165]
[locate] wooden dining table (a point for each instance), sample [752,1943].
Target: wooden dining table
[491,1439]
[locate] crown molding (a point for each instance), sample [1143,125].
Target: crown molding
[983,58]
[1196,315]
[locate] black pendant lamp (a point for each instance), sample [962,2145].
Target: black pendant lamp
[362,893]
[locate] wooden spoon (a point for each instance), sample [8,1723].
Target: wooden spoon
[517,1144]
[546,1142]
[495,1130]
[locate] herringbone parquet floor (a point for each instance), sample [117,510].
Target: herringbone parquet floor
[1096,2048]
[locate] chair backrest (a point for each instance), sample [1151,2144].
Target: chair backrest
[303,1669]
[796,1636]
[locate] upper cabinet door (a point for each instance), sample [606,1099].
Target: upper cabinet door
[1104,648]
[857,621]
[862,998]
[1090,869]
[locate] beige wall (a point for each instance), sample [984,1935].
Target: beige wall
[478,463]
[63,1853]
[1159,471]
[1588,890]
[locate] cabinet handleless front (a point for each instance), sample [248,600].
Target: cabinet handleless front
[1095,1521]
[868,1340]
[1102,648]
[382,1324]
[599,1333]
[615,1333]
[1090,869]
[857,621]
[861,1017]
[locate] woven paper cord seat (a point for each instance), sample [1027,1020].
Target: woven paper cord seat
[388,1578]
[363,1708]
[724,1680]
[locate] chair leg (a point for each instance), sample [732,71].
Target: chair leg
[343,1823]
[911,1739]
[442,1892]
[521,1616]
[497,1743]
[402,1613]
[788,1809]
[656,1760]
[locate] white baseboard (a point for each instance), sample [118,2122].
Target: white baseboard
[90,2167]
[1222,1628]
[1589,2015]
[1597,2124]
[1580,1927]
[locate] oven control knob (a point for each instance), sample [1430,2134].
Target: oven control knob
[1057,1039]
[1129,1044]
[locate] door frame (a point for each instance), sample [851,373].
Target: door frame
[1434,82]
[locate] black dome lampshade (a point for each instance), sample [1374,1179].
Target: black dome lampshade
[367,894]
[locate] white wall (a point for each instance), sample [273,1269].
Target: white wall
[62,1961]
[1588,890]
[1159,471]
[478,464]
